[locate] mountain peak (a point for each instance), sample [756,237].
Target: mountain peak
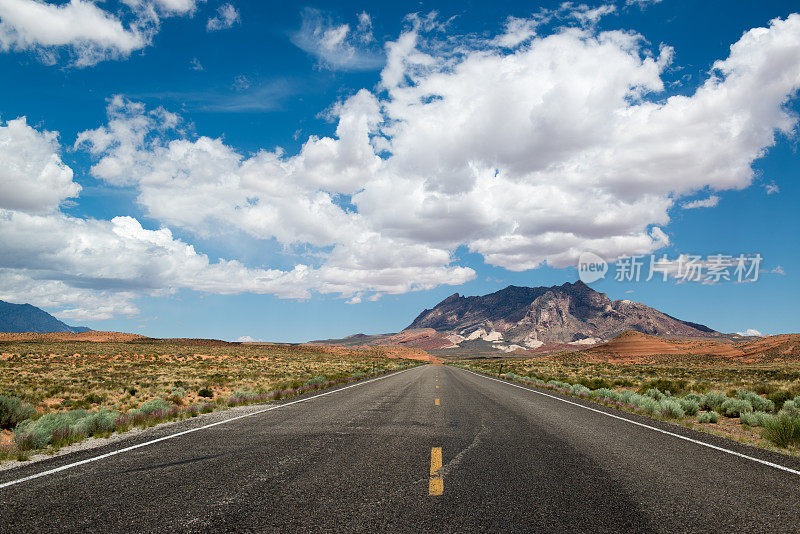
[29,318]
[567,313]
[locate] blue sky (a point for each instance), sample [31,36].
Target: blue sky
[294,172]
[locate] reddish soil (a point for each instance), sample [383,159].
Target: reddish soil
[632,346]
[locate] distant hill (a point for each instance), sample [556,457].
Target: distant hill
[529,317]
[28,318]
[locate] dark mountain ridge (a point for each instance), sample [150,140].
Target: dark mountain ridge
[28,318]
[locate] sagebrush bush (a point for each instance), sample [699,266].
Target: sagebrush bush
[152,405]
[206,393]
[759,403]
[99,422]
[735,407]
[608,394]
[778,397]
[792,408]
[578,389]
[754,418]
[713,400]
[177,395]
[317,380]
[670,409]
[14,411]
[647,404]
[655,393]
[38,433]
[708,417]
[782,430]
[689,405]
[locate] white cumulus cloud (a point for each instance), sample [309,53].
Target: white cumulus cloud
[226,17]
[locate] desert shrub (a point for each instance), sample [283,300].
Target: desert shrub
[358,374]
[207,408]
[558,384]
[647,404]
[317,380]
[670,409]
[754,418]
[713,400]
[735,407]
[152,405]
[708,417]
[177,395]
[13,411]
[654,393]
[99,422]
[764,388]
[606,393]
[664,385]
[206,393]
[759,403]
[779,397]
[37,434]
[595,383]
[578,389]
[782,430]
[689,405]
[94,398]
[792,408]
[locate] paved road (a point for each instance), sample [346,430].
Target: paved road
[361,460]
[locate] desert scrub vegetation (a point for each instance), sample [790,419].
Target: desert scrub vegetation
[55,393]
[768,418]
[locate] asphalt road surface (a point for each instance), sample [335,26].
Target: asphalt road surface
[385,455]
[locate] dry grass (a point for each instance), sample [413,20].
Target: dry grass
[61,375]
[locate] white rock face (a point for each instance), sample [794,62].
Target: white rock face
[508,348]
[479,333]
[493,336]
[586,341]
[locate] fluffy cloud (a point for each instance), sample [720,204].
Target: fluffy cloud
[525,155]
[227,16]
[526,149]
[91,33]
[338,46]
[32,176]
[710,202]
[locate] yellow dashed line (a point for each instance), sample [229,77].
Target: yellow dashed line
[437,387]
[436,402]
[436,484]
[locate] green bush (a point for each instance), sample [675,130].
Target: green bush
[577,389]
[689,405]
[99,422]
[754,418]
[708,417]
[152,405]
[177,395]
[792,408]
[713,400]
[206,393]
[670,409]
[779,397]
[655,393]
[14,411]
[648,404]
[759,403]
[38,433]
[316,380]
[605,393]
[594,383]
[735,407]
[782,430]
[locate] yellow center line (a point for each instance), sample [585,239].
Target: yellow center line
[437,387]
[436,484]
[436,402]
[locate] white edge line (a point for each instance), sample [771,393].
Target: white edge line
[637,423]
[184,432]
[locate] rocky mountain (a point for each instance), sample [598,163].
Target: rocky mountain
[27,318]
[529,317]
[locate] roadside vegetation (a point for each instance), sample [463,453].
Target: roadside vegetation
[759,406]
[53,394]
